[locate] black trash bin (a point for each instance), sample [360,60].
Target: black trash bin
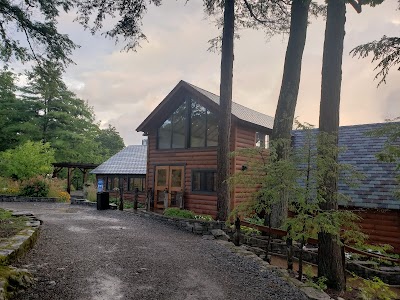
[103,201]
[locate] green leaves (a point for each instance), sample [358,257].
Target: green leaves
[27,160]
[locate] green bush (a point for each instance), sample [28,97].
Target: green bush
[179,213]
[375,289]
[35,187]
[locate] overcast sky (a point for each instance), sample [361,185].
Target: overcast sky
[125,87]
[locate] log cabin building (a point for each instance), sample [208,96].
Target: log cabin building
[182,147]
[373,197]
[182,142]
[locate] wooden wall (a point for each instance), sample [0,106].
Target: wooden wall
[205,158]
[382,226]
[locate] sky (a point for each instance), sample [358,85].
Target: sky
[125,87]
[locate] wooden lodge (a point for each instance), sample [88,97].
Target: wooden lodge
[182,160]
[182,147]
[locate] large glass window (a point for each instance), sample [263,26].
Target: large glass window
[204,181]
[164,135]
[198,125]
[179,127]
[190,126]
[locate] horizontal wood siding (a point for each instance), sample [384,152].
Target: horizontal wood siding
[191,159]
[244,138]
[381,226]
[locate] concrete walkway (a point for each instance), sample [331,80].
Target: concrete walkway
[84,254]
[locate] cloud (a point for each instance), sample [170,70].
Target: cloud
[125,87]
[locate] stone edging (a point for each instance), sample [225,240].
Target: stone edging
[83,202]
[15,247]
[191,225]
[8,198]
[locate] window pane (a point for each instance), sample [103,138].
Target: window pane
[212,129]
[210,181]
[176,178]
[164,135]
[138,183]
[198,125]
[161,177]
[260,140]
[179,126]
[196,181]
[130,184]
[204,181]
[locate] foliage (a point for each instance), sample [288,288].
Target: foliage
[91,193]
[391,150]
[179,213]
[36,20]
[375,289]
[386,52]
[44,110]
[10,225]
[56,186]
[9,186]
[27,160]
[35,187]
[204,217]
[64,197]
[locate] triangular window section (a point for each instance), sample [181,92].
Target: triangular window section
[190,126]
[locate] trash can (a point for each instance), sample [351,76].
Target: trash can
[103,201]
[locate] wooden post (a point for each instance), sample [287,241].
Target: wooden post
[148,199]
[289,247]
[121,194]
[135,199]
[237,233]
[69,178]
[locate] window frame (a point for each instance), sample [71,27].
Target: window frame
[188,126]
[203,173]
[132,189]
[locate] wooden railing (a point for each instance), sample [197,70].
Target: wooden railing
[347,248]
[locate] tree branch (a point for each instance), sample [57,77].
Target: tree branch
[356,5]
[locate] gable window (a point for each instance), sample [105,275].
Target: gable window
[190,126]
[204,180]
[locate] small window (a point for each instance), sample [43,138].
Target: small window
[112,183]
[262,140]
[136,182]
[204,181]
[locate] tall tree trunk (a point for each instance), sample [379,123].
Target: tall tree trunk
[329,253]
[287,101]
[224,124]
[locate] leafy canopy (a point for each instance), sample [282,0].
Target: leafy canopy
[27,160]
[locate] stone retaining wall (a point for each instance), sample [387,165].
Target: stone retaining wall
[191,225]
[7,198]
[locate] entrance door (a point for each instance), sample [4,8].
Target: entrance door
[169,181]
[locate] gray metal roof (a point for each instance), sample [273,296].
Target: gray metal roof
[240,111]
[376,189]
[130,160]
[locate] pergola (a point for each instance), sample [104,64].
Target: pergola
[83,167]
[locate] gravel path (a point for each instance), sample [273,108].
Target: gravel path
[85,254]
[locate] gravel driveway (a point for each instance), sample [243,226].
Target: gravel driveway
[84,254]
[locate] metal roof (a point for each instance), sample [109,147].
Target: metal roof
[130,160]
[376,189]
[240,111]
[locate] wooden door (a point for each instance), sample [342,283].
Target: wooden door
[169,181]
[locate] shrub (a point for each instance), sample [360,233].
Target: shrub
[9,186]
[179,213]
[64,197]
[375,289]
[91,193]
[35,187]
[56,186]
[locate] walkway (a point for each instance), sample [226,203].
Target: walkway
[86,254]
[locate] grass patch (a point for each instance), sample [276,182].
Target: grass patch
[10,225]
[185,214]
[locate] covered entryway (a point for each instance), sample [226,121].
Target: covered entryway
[169,181]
